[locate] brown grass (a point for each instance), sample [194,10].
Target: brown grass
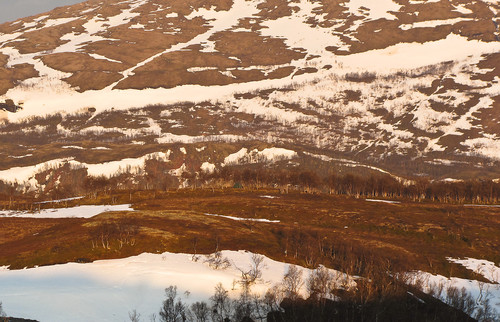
[88,73]
[186,7]
[410,235]
[171,69]
[253,49]
[47,39]
[74,62]
[9,77]
[92,80]
[490,117]
[136,45]
[491,61]
[274,9]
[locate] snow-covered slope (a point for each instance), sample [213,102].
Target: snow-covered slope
[376,80]
[83,54]
[484,295]
[107,290]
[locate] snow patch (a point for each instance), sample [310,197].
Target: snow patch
[107,169]
[85,211]
[59,200]
[406,56]
[107,290]
[433,23]
[298,33]
[478,290]
[207,167]
[485,146]
[483,267]
[383,201]
[76,147]
[373,10]
[244,219]
[255,156]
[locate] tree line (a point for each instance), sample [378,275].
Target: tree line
[67,181]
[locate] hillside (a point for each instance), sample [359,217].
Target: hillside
[119,261]
[148,143]
[406,86]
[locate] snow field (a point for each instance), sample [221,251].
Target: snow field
[478,290]
[314,39]
[483,267]
[27,174]
[107,290]
[84,211]
[108,169]
[321,88]
[255,156]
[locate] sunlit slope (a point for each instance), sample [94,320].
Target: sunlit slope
[364,79]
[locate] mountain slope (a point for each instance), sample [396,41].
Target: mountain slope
[407,85]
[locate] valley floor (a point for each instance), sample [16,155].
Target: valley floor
[123,259]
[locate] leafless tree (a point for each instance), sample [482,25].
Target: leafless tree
[195,257]
[2,312]
[273,298]
[200,311]
[253,274]
[292,282]
[217,261]
[102,234]
[126,233]
[134,316]
[485,313]
[320,283]
[221,304]
[460,299]
[172,310]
